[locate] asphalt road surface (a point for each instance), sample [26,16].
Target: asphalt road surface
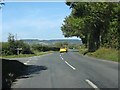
[69,70]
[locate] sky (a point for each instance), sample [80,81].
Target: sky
[34,20]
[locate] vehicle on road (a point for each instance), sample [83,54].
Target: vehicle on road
[62,50]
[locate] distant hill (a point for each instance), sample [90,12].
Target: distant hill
[50,42]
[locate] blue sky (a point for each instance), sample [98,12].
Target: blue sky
[34,20]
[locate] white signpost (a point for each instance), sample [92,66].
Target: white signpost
[18,50]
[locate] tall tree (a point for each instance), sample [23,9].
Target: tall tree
[93,23]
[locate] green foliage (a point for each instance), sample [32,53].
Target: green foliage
[82,49]
[10,47]
[95,23]
[61,44]
[73,46]
[5,49]
[106,53]
[102,53]
[26,55]
[43,48]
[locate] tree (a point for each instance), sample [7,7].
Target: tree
[94,23]
[11,44]
[74,27]
[10,47]
[61,44]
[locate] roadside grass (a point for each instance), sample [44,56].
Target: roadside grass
[26,55]
[103,53]
[82,49]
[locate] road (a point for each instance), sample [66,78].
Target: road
[69,70]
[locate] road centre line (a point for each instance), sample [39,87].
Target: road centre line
[61,57]
[92,84]
[70,65]
[67,63]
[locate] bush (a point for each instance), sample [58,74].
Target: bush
[43,48]
[9,48]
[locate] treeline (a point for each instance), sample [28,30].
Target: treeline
[67,45]
[10,47]
[15,47]
[95,23]
[44,48]
[54,47]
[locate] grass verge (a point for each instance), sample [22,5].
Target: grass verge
[26,55]
[103,53]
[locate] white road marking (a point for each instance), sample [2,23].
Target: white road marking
[70,65]
[25,63]
[61,57]
[92,84]
[67,63]
[28,61]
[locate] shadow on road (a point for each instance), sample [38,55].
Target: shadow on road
[13,69]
